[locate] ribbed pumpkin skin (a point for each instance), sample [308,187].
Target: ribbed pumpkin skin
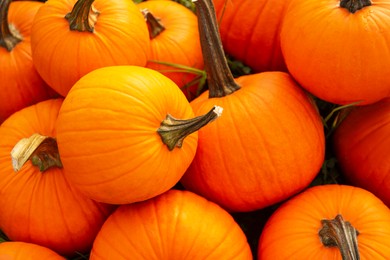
[345,55]
[43,208]
[26,251]
[362,148]
[250,31]
[107,134]
[21,84]
[268,145]
[62,56]
[174,225]
[292,231]
[178,43]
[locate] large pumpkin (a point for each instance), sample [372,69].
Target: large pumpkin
[175,225]
[326,222]
[42,207]
[70,39]
[268,145]
[339,50]
[21,85]
[362,147]
[26,251]
[116,142]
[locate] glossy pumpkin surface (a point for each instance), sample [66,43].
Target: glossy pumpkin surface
[26,251]
[174,225]
[42,207]
[107,134]
[362,147]
[292,231]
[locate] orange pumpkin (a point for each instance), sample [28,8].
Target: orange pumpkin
[345,53]
[42,207]
[174,39]
[26,251]
[268,145]
[361,144]
[94,34]
[175,225]
[325,222]
[21,85]
[116,142]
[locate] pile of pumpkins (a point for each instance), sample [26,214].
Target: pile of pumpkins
[125,135]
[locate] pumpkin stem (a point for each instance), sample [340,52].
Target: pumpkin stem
[173,131]
[220,79]
[340,233]
[83,16]
[354,5]
[154,24]
[9,35]
[41,150]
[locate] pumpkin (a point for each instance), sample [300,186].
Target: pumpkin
[174,40]
[120,133]
[41,207]
[26,251]
[21,85]
[175,225]
[361,144]
[345,52]
[250,32]
[328,222]
[268,145]
[70,39]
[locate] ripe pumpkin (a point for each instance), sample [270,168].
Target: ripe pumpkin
[26,251]
[309,225]
[174,39]
[345,52]
[93,35]
[268,145]
[250,32]
[42,207]
[361,144]
[21,85]
[116,142]
[174,225]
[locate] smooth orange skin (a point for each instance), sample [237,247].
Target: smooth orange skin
[21,85]
[26,251]
[250,32]
[178,44]
[62,56]
[107,134]
[362,148]
[338,56]
[292,231]
[268,144]
[43,208]
[174,225]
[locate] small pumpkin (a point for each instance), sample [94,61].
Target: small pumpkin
[361,144]
[21,85]
[174,40]
[175,225]
[346,52]
[126,134]
[70,39]
[37,204]
[328,222]
[26,251]
[268,145]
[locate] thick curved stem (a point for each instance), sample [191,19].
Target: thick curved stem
[340,233]
[83,16]
[354,5]
[219,77]
[154,25]
[9,36]
[41,150]
[173,131]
